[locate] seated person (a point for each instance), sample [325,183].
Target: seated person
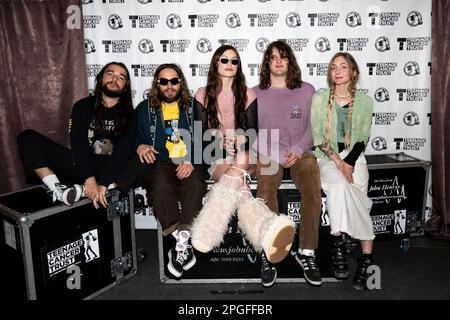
[164,120]
[102,133]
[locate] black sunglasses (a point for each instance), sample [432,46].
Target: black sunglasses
[234,61]
[165,82]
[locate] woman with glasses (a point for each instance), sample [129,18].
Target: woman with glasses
[227,110]
[341,119]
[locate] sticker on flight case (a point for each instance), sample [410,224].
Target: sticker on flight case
[10,234]
[399,221]
[91,251]
[84,249]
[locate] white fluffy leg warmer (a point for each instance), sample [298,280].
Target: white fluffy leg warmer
[209,227]
[265,229]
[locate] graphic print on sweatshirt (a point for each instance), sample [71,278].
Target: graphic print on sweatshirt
[174,143]
[101,140]
[296,112]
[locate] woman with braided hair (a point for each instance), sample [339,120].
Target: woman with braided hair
[341,120]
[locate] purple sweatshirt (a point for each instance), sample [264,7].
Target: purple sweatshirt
[289,111]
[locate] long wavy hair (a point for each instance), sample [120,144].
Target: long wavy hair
[214,86]
[354,76]
[123,114]
[294,74]
[153,97]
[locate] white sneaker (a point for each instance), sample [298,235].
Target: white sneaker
[79,192]
[64,194]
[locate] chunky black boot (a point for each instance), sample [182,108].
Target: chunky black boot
[360,278]
[339,264]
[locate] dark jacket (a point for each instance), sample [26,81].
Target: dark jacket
[151,130]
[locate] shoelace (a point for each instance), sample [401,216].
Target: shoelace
[181,256]
[310,262]
[245,175]
[265,263]
[361,270]
[58,188]
[338,254]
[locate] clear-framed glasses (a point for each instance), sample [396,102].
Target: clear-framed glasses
[233,61]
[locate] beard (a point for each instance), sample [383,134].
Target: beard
[169,96]
[112,93]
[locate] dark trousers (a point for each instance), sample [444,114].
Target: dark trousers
[306,176]
[38,151]
[167,190]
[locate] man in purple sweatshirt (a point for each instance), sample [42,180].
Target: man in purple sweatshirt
[284,104]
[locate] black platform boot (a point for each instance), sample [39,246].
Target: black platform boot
[360,278]
[339,264]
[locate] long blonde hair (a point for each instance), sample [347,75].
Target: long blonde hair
[354,76]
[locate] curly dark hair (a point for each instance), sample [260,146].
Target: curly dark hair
[294,75]
[214,86]
[123,114]
[153,97]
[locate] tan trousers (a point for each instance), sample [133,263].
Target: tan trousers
[305,174]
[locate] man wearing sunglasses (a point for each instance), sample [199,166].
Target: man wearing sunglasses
[164,140]
[284,103]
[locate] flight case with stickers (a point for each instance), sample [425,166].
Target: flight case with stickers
[52,251]
[398,186]
[235,261]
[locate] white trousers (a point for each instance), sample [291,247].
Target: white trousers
[348,204]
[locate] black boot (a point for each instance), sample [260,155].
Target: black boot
[360,278]
[339,264]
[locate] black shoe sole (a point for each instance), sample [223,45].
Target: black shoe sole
[267,285]
[339,274]
[171,269]
[359,287]
[313,283]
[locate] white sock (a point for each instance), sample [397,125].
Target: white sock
[306,252]
[50,181]
[111,186]
[183,238]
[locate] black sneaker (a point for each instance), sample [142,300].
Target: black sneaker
[176,261]
[268,273]
[310,269]
[189,259]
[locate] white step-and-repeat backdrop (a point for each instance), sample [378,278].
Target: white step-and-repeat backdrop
[390,39]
